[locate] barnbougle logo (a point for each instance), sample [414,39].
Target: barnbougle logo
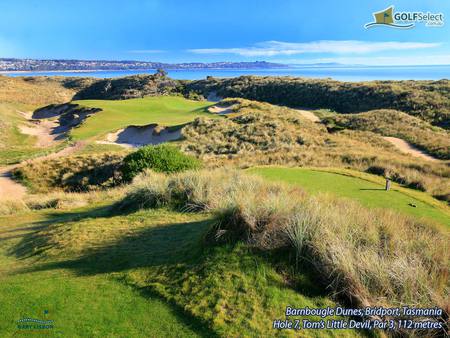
[405,20]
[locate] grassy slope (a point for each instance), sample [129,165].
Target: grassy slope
[371,194]
[85,268]
[80,304]
[18,94]
[165,110]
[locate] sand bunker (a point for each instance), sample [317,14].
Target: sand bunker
[407,148]
[138,136]
[221,110]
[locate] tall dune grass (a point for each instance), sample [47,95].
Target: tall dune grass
[366,257]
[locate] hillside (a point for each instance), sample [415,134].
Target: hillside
[433,140]
[428,100]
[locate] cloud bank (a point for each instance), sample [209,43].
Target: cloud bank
[275,48]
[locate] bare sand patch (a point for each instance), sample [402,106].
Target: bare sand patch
[308,115]
[10,189]
[407,148]
[45,132]
[138,136]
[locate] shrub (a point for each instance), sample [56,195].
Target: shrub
[160,158]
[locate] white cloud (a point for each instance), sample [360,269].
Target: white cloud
[274,48]
[146,51]
[407,60]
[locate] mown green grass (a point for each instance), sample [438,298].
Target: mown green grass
[369,193]
[81,305]
[163,110]
[144,274]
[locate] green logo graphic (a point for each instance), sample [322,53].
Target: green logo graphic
[386,18]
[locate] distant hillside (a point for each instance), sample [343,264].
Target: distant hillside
[428,100]
[55,65]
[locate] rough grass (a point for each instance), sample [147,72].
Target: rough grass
[164,110]
[366,257]
[72,173]
[263,134]
[431,139]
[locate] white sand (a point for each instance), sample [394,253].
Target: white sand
[138,136]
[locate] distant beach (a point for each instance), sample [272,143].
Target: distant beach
[342,73]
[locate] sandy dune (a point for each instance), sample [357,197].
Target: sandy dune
[407,148]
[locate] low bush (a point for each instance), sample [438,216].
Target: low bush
[160,158]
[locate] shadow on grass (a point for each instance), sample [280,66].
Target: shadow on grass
[178,246]
[171,244]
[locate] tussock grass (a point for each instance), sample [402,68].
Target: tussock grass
[365,257]
[262,134]
[72,173]
[60,200]
[432,139]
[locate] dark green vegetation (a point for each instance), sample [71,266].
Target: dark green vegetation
[433,140]
[428,100]
[161,158]
[130,87]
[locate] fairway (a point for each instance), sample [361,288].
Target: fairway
[368,193]
[166,111]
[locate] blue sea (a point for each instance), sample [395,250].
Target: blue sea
[341,73]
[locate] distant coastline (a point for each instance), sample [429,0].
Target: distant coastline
[340,72]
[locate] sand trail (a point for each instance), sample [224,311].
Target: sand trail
[407,148]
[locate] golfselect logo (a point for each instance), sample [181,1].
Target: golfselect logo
[405,20]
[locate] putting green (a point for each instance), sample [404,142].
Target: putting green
[369,193]
[116,114]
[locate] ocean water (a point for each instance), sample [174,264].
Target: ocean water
[338,73]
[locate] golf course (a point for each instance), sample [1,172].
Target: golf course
[109,228]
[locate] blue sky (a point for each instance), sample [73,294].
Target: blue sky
[297,31]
